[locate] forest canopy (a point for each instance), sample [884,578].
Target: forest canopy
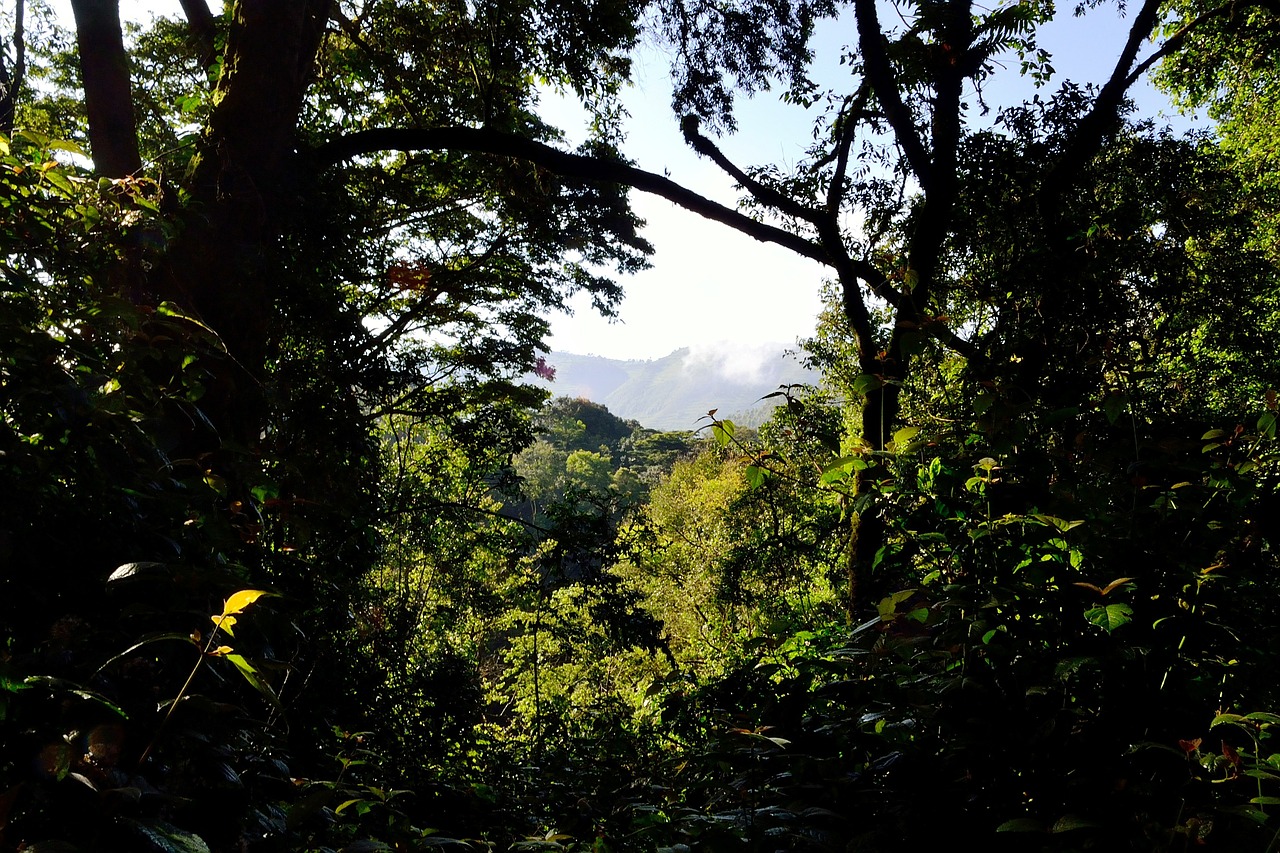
[293,558]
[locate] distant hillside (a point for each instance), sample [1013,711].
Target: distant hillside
[673,392]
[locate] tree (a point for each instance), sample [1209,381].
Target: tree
[223,342]
[1221,65]
[286,79]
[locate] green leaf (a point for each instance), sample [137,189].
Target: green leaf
[56,178]
[1256,815]
[66,145]
[146,641]
[361,806]
[888,606]
[135,571]
[723,432]
[172,309]
[1021,824]
[1114,405]
[250,674]
[167,838]
[1110,617]
[76,690]
[755,476]
[867,383]
[903,437]
[1068,823]
[1060,523]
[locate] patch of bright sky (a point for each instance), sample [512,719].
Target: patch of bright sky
[710,287]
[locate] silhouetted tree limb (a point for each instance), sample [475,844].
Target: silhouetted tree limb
[12,83]
[108,95]
[563,163]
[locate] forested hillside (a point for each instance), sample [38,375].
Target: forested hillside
[292,558]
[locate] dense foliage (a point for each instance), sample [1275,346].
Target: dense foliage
[291,559]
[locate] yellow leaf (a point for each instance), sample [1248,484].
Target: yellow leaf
[240,600]
[224,623]
[221,650]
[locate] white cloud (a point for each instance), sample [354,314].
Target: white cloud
[738,361]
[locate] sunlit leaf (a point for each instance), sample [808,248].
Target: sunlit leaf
[172,309]
[63,145]
[723,432]
[250,674]
[169,839]
[240,600]
[1110,617]
[1263,717]
[225,624]
[132,571]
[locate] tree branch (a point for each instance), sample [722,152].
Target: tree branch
[1093,128]
[766,195]
[879,73]
[846,131]
[1175,41]
[830,252]
[104,68]
[563,163]
[203,28]
[13,83]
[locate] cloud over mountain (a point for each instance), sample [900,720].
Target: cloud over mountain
[675,391]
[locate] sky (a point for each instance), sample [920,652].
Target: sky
[709,287]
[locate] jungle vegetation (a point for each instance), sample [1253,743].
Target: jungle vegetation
[292,559]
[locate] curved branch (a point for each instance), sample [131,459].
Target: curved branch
[203,28]
[563,163]
[1175,41]
[1092,129]
[762,193]
[879,73]
[846,130]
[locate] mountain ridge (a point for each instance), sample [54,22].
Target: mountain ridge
[676,391]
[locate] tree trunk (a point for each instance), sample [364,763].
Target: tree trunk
[104,67]
[223,264]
